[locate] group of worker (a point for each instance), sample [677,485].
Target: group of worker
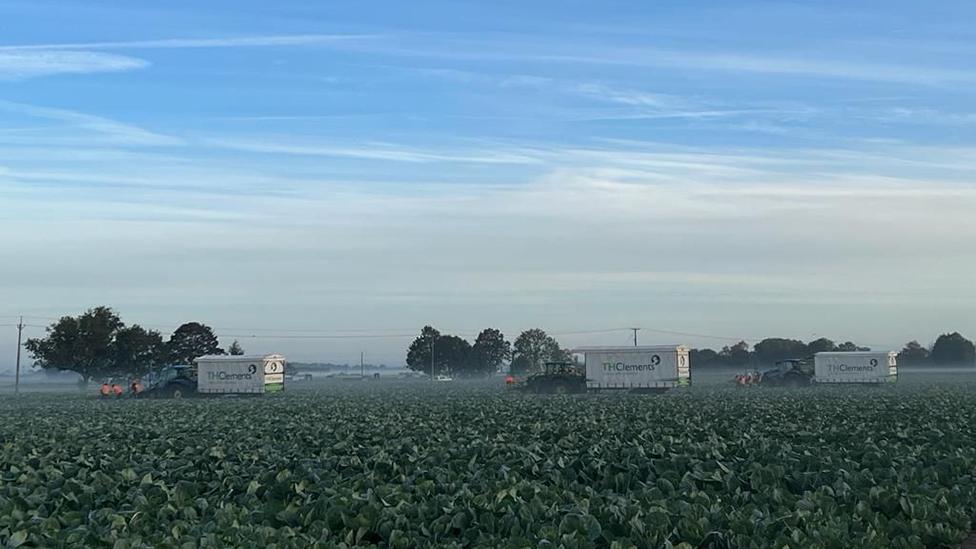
[749,378]
[114,389]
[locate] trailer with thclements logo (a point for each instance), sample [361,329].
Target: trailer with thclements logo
[645,368]
[855,367]
[221,375]
[625,369]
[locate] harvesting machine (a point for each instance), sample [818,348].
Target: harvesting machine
[791,372]
[557,377]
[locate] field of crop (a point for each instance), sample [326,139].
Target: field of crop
[458,465]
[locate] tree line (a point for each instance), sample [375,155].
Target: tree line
[98,345]
[948,349]
[435,353]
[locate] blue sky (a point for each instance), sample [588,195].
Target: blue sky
[733,170]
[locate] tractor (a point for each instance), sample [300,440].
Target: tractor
[789,373]
[557,377]
[172,382]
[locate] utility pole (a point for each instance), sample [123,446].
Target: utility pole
[362,365]
[635,335]
[20,333]
[432,359]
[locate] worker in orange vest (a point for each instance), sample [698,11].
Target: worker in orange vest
[116,390]
[105,391]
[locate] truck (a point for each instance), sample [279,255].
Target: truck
[220,375]
[855,367]
[636,369]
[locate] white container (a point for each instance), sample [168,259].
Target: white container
[223,374]
[855,367]
[652,367]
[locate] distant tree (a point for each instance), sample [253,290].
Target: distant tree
[490,351]
[138,351]
[772,349]
[235,349]
[452,355]
[533,348]
[850,346]
[418,355]
[703,358]
[953,349]
[913,354]
[736,355]
[822,345]
[97,344]
[192,341]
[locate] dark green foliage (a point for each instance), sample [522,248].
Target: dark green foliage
[772,349]
[953,349]
[490,351]
[449,466]
[192,341]
[235,349]
[913,354]
[97,344]
[533,348]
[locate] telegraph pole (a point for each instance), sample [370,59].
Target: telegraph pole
[362,365]
[432,359]
[635,335]
[20,333]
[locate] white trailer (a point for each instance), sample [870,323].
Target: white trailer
[636,368]
[855,367]
[221,374]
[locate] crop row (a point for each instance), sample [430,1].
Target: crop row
[455,467]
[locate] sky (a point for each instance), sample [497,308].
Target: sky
[322,179]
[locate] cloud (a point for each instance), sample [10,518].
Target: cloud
[117,132]
[691,59]
[179,43]
[19,65]
[375,151]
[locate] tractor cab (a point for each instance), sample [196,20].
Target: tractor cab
[791,372]
[173,381]
[557,377]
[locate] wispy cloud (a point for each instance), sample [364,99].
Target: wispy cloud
[18,65]
[119,132]
[691,59]
[176,43]
[374,151]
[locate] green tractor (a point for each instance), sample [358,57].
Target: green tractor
[172,382]
[557,378]
[789,373]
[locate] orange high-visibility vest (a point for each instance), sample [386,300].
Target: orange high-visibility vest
[106,390]
[117,389]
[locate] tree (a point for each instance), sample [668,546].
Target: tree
[97,344]
[953,349]
[533,348]
[138,351]
[850,346]
[490,351]
[736,355]
[235,349]
[418,355]
[773,349]
[822,345]
[192,341]
[452,355]
[704,357]
[913,354]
